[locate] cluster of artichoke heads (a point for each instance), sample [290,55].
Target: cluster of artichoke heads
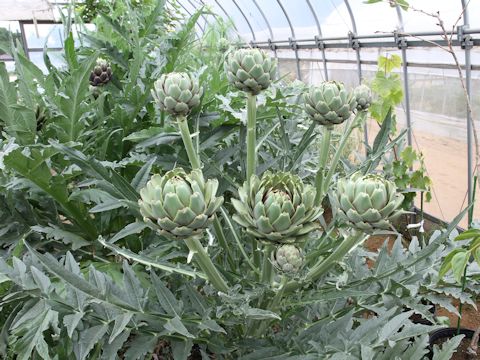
[101,74]
[367,202]
[276,208]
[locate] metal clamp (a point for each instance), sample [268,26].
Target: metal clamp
[354,43]
[293,44]
[271,45]
[319,43]
[466,41]
[400,40]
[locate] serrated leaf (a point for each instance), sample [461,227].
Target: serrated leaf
[447,349]
[175,325]
[181,349]
[141,177]
[261,314]
[71,322]
[392,326]
[121,321]
[139,346]
[87,340]
[165,297]
[133,288]
[459,263]
[130,229]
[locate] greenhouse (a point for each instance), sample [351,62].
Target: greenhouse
[239,179]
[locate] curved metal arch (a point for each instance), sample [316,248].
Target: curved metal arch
[357,50]
[359,62]
[299,75]
[190,14]
[406,88]
[468,84]
[269,30]
[319,29]
[228,16]
[246,19]
[264,18]
[203,16]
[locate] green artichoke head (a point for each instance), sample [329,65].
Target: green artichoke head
[277,208]
[329,103]
[366,202]
[288,259]
[177,93]
[101,74]
[250,70]
[179,205]
[363,97]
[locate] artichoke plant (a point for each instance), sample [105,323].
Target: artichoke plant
[277,208]
[363,97]
[101,74]
[250,70]
[329,103]
[177,93]
[179,205]
[288,259]
[367,202]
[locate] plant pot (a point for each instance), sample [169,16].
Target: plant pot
[440,336]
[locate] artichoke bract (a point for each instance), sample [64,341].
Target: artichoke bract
[101,74]
[179,205]
[367,202]
[288,259]
[329,103]
[177,93]
[277,208]
[250,70]
[363,97]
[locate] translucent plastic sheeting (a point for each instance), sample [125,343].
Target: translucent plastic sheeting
[39,35]
[416,19]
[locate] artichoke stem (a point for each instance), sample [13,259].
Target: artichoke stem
[187,141]
[322,161]
[267,264]
[348,244]
[343,142]
[206,264]
[251,135]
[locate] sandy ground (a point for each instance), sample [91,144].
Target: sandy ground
[444,147]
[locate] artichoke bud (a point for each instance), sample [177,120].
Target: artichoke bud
[277,208]
[177,93]
[250,70]
[363,97]
[288,259]
[366,202]
[329,103]
[101,74]
[179,205]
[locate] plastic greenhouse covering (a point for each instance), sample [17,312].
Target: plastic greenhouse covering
[340,39]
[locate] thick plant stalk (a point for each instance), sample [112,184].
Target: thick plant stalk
[338,153]
[205,263]
[325,265]
[187,141]
[322,161]
[251,135]
[267,264]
